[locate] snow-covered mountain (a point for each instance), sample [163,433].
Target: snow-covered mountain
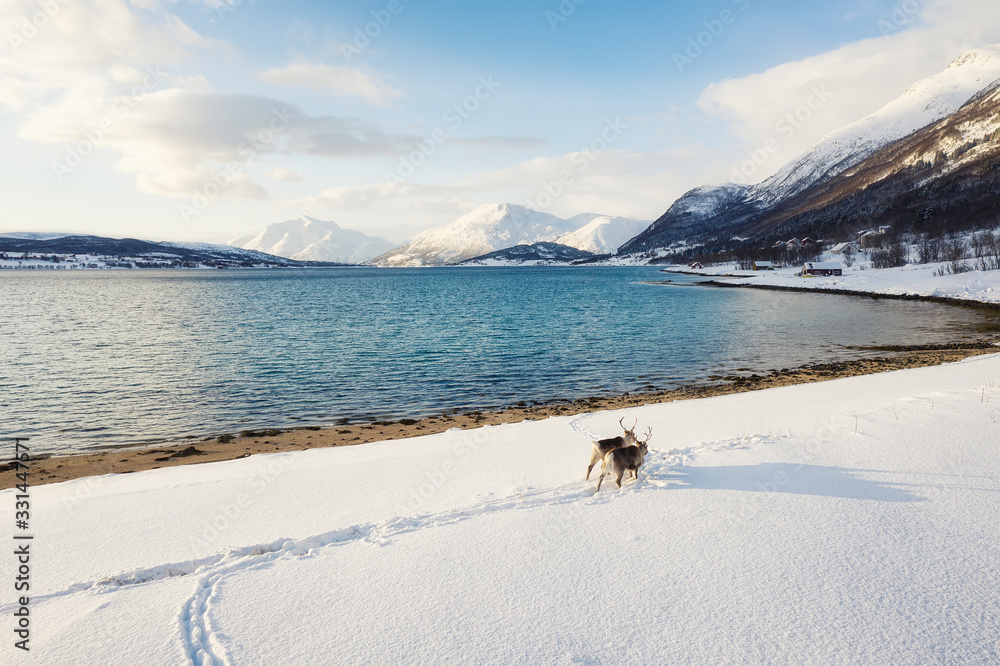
[309,239]
[601,234]
[925,102]
[481,231]
[492,227]
[697,212]
[710,209]
[940,179]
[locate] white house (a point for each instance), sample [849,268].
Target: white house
[840,248]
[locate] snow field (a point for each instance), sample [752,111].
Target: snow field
[843,522]
[910,280]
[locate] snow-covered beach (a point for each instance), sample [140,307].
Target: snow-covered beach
[849,521]
[930,281]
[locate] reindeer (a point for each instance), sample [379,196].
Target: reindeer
[626,458]
[601,447]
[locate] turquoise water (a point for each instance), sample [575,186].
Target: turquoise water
[107,358]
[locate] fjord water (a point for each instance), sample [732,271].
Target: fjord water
[119,357]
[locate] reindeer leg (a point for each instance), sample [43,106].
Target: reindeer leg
[592,461]
[619,479]
[604,470]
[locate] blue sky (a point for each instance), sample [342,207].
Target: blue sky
[222,117]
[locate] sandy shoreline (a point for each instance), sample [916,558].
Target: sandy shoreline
[227,447]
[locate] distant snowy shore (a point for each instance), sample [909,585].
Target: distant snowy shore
[913,280]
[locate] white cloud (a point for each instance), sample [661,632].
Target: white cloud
[339,80]
[63,37]
[176,138]
[96,76]
[290,175]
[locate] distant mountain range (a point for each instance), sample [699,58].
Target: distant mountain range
[938,139]
[198,253]
[309,239]
[493,227]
